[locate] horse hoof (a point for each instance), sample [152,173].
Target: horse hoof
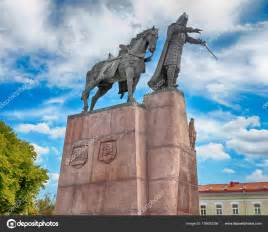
[131,100]
[85,110]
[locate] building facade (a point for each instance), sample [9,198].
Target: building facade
[234,199]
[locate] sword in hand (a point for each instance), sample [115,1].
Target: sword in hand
[205,45]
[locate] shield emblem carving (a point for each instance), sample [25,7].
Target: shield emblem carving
[107,151]
[79,156]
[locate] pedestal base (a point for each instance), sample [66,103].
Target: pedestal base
[129,160]
[171,161]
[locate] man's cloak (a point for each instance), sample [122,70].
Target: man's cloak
[158,79]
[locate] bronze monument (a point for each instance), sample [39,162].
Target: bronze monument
[169,64]
[133,159]
[125,69]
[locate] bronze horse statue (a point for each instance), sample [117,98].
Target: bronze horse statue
[125,69]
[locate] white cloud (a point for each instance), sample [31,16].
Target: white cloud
[213,151]
[26,24]
[207,128]
[228,171]
[249,147]
[257,176]
[60,100]
[265,105]
[240,123]
[53,178]
[238,133]
[264,163]
[47,112]
[41,151]
[55,151]
[79,37]
[216,16]
[241,67]
[77,32]
[90,21]
[215,126]
[244,139]
[56,100]
[41,128]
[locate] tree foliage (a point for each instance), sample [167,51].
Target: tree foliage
[45,205]
[20,178]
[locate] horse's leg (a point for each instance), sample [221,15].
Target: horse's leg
[135,82]
[100,92]
[130,77]
[85,94]
[84,97]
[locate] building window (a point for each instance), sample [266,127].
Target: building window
[257,209]
[235,209]
[219,209]
[203,210]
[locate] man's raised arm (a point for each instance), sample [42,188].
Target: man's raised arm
[192,30]
[195,41]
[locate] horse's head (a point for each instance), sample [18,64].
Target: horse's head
[143,41]
[151,38]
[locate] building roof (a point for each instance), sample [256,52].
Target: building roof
[234,187]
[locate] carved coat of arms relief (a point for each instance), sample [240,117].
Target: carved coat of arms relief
[79,155]
[107,150]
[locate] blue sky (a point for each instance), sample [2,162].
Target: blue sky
[47,46]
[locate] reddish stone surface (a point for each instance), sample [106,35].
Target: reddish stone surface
[64,202]
[163,196]
[114,188]
[158,167]
[139,160]
[170,158]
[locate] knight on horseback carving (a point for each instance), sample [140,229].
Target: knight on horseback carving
[125,69]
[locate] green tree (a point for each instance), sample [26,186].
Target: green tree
[45,206]
[20,178]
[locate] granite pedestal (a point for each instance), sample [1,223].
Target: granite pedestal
[129,159]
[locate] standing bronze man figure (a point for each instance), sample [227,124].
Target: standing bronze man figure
[168,67]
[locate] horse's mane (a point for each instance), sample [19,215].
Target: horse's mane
[138,36]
